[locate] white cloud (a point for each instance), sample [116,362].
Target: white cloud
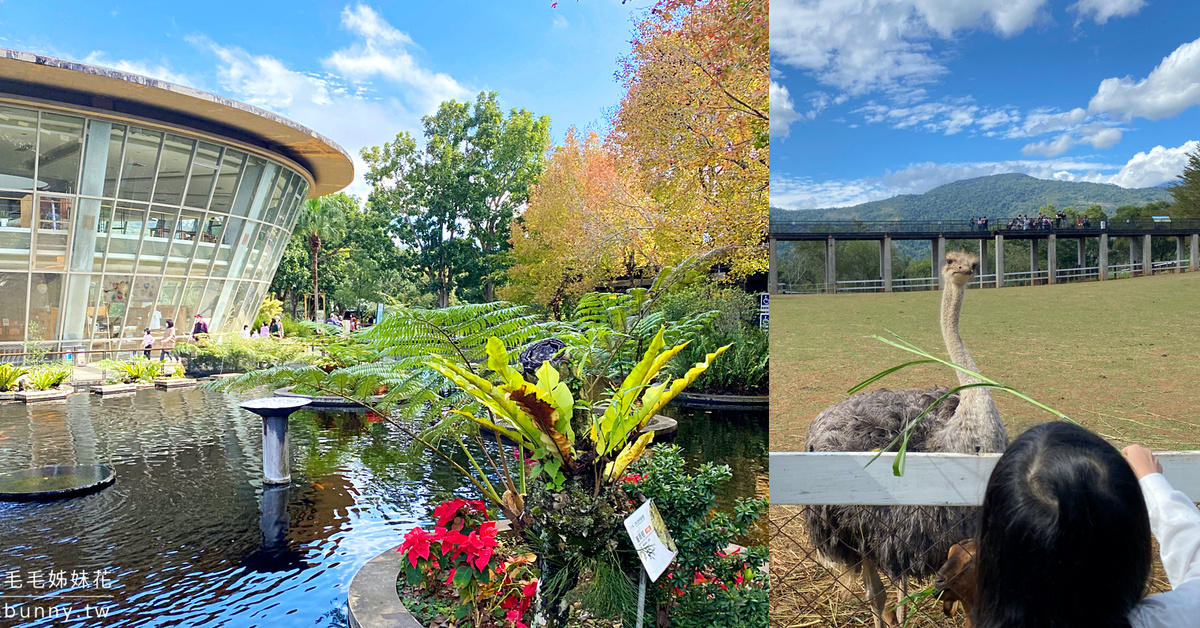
[862,46]
[1156,167]
[158,71]
[1049,148]
[1169,89]
[560,21]
[1100,10]
[382,52]
[783,111]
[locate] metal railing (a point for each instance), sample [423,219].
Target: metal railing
[965,227]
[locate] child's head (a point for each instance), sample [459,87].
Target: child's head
[146,331]
[1064,537]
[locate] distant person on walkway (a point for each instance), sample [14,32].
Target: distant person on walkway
[168,341]
[973,223]
[147,343]
[264,331]
[254,334]
[200,327]
[245,331]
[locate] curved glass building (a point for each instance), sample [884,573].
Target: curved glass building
[126,202]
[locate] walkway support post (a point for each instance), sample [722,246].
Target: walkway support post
[939,259]
[1080,262]
[1133,256]
[1033,261]
[1195,251]
[885,263]
[1052,259]
[830,267]
[1178,253]
[983,256]
[1147,263]
[773,267]
[1103,261]
[999,261]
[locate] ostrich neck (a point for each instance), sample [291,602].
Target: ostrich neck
[952,300]
[976,425]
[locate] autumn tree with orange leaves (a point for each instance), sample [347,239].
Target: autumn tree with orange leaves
[684,170]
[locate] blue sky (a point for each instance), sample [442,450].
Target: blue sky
[356,72]
[874,98]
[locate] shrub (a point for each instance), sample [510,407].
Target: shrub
[270,308]
[49,376]
[705,586]
[742,370]
[133,370]
[9,373]
[240,354]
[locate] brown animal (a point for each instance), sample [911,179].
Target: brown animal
[955,581]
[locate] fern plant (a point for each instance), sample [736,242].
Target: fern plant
[137,370]
[9,374]
[49,376]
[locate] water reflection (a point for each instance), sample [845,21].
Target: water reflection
[188,533]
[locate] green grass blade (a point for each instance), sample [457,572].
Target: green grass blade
[881,375]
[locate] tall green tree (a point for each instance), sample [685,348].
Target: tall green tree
[451,203]
[321,223]
[1186,191]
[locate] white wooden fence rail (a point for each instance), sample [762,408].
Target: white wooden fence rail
[930,479]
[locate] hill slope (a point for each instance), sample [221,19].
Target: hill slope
[1000,196]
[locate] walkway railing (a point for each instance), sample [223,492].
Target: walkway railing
[783,227]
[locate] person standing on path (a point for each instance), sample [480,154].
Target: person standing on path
[168,341]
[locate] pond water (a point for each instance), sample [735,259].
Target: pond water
[188,537]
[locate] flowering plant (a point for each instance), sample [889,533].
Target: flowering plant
[460,560]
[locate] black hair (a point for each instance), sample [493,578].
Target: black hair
[170,323]
[1064,536]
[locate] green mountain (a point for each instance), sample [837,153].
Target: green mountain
[999,197]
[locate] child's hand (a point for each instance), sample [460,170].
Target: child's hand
[1142,461]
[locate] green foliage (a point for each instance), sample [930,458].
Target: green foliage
[743,370]
[999,197]
[1186,191]
[451,203]
[49,376]
[706,586]
[270,308]
[9,373]
[233,355]
[138,369]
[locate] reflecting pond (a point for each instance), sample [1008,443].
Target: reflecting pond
[187,536]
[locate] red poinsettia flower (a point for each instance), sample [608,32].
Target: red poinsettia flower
[739,578]
[530,589]
[416,544]
[450,578]
[735,552]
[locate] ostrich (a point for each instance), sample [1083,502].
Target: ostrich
[905,541]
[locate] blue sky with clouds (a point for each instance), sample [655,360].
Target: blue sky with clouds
[874,98]
[356,72]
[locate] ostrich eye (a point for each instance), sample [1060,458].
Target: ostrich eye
[948,262]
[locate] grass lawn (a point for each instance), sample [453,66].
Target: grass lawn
[1121,357]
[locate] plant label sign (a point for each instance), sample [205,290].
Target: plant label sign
[649,534]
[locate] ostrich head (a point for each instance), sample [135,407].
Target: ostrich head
[960,267]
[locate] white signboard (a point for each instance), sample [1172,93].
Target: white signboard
[649,534]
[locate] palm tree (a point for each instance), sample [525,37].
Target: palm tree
[322,221]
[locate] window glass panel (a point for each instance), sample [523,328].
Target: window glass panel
[208,305]
[18,144]
[249,185]
[125,236]
[263,194]
[228,245]
[278,192]
[235,318]
[168,302]
[87,251]
[58,152]
[91,328]
[188,307]
[112,168]
[186,231]
[255,253]
[113,306]
[294,210]
[16,229]
[141,312]
[45,294]
[159,228]
[14,287]
[51,232]
[141,158]
[231,165]
[204,172]
[206,245]
[268,255]
[172,169]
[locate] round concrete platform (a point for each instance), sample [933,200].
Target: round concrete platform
[54,482]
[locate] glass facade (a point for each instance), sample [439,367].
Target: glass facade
[108,228]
